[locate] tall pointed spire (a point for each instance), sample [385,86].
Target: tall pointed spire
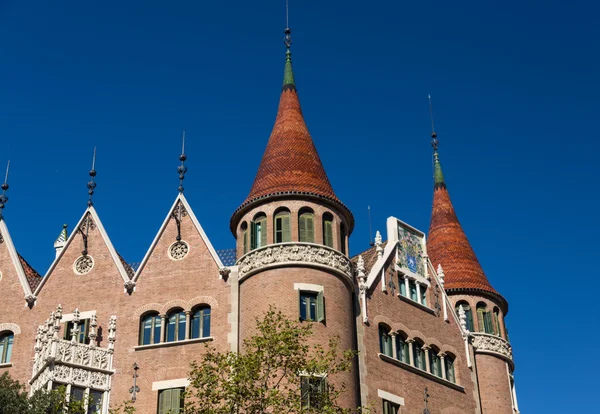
[291,164]
[448,244]
[3,197]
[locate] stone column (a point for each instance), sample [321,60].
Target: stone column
[411,354]
[394,350]
[418,291]
[406,286]
[188,327]
[163,319]
[443,364]
[426,350]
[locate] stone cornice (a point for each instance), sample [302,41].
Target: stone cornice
[295,254]
[491,344]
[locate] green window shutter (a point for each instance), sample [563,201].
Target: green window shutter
[287,235]
[480,323]
[310,229]
[328,233]
[300,304]
[320,307]
[252,235]
[302,228]
[164,402]
[263,232]
[489,327]
[245,241]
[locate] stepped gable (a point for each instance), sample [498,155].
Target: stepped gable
[290,164]
[448,244]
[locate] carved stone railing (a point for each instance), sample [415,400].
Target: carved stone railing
[69,362]
[290,254]
[491,344]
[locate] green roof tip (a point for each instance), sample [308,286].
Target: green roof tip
[438,176]
[288,74]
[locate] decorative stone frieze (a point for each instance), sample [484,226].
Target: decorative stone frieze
[294,254]
[491,344]
[69,362]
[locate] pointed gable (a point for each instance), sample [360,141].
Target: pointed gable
[100,263]
[27,276]
[180,221]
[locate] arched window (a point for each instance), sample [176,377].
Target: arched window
[385,341]
[468,314]
[306,226]
[449,361]
[244,228]
[282,227]
[419,355]
[150,329]
[435,362]
[175,326]
[343,238]
[258,231]
[497,321]
[6,344]
[328,230]
[402,349]
[484,319]
[200,322]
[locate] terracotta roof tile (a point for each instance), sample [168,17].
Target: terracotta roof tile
[33,277]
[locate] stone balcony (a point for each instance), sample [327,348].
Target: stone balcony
[491,344]
[295,254]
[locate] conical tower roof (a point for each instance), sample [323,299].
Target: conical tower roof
[290,165]
[448,244]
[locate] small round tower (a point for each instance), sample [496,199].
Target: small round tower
[292,236]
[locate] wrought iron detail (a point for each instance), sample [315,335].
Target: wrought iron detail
[134,389]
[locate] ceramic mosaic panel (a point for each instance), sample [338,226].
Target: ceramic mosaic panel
[410,255]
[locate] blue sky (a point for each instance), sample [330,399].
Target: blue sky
[515,90]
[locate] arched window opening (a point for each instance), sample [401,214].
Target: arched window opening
[244,229]
[175,326]
[6,345]
[343,238]
[468,314]
[484,319]
[496,315]
[150,329]
[419,355]
[328,230]
[282,227]
[385,341]
[258,232]
[449,362]
[200,322]
[306,226]
[402,348]
[435,362]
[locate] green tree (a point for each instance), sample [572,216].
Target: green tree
[276,372]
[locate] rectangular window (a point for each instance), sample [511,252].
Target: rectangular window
[328,233]
[312,306]
[412,285]
[390,407]
[402,286]
[170,401]
[385,342]
[424,295]
[95,402]
[77,393]
[313,391]
[84,326]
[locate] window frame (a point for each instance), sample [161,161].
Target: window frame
[328,230]
[200,313]
[258,231]
[171,410]
[282,232]
[385,341]
[390,407]
[306,230]
[84,331]
[154,324]
[179,315]
[319,304]
[306,381]
[7,340]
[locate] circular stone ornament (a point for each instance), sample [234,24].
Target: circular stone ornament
[83,265]
[178,250]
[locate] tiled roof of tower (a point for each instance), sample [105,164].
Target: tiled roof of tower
[33,277]
[448,244]
[291,164]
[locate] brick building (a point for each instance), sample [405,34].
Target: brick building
[428,325]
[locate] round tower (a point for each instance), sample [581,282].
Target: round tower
[468,288]
[292,237]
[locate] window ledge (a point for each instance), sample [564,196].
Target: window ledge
[415,303]
[174,343]
[6,365]
[421,372]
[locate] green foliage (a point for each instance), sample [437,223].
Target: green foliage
[266,376]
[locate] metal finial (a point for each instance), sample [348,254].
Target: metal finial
[91,185]
[3,197]
[182,169]
[287,40]
[434,140]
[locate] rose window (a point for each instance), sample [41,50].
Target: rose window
[179,250]
[83,265]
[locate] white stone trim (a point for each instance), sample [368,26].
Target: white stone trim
[82,315]
[308,287]
[15,258]
[12,327]
[174,383]
[196,223]
[390,397]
